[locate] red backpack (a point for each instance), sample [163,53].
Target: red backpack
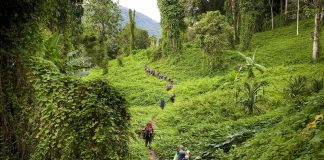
[149,128]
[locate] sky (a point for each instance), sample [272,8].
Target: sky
[147,7]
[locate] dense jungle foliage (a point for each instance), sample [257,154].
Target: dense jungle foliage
[247,75]
[46,111]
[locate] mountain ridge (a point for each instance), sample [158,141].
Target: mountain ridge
[142,22]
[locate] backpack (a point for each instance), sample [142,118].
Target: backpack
[162,103]
[187,156]
[149,128]
[169,87]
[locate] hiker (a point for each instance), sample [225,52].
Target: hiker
[152,72]
[181,154]
[148,134]
[169,87]
[148,71]
[172,98]
[161,76]
[162,103]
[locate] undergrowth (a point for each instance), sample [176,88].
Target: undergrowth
[206,117]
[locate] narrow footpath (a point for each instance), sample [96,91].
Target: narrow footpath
[152,154]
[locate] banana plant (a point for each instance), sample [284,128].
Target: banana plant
[251,96]
[53,47]
[251,65]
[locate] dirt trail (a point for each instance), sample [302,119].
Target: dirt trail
[152,154]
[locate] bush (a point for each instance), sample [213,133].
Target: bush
[73,119]
[157,54]
[251,96]
[120,61]
[296,87]
[317,85]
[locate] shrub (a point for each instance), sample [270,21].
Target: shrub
[317,85]
[120,61]
[296,87]
[73,119]
[157,54]
[251,96]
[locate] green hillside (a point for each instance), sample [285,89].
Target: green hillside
[233,80]
[205,117]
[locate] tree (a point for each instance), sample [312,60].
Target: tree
[141,38]
[298,17]
[65,19]
[153,41]
[271,9]
[131,15]
[24,26]
[172,23]
[286,10]
[194,8]
[104,17]
[317,30]
[250,10]
[232,9]
[214,35]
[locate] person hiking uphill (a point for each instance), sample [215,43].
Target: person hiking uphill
[172,98]
[148,134]
[182,155]
[169,87]
[162,103]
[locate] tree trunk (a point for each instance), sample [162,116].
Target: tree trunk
[234,18]
[297,17]
[173,44]
[281,7]
[271,7]
[286,10]
[316,37]
[234,4]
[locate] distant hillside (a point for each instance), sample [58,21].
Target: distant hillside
[142,22]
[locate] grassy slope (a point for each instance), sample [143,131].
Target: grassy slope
[205,115]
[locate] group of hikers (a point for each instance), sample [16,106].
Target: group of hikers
[149,136]
[159,75]
[148,131]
